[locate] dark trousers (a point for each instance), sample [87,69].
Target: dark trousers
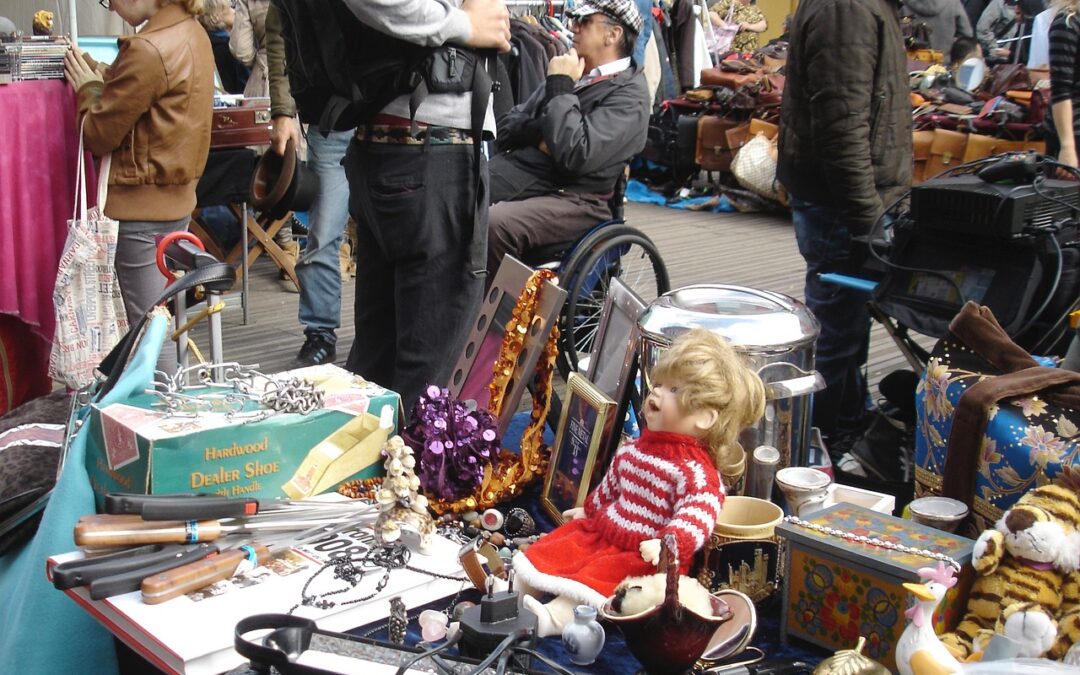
[842,347]
[517,226]
[419,277]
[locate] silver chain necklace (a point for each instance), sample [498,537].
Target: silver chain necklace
[872,541]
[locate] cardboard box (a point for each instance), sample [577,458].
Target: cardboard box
[836,590]
[136,446]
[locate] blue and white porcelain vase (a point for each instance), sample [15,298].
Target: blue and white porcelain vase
[584,638]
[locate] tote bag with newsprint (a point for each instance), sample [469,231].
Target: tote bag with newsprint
[90,315]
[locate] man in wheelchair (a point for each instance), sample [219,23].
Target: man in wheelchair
[564,148]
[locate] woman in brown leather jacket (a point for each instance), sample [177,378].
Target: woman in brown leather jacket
[151,109]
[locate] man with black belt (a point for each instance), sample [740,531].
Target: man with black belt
[420,212]
[566,146]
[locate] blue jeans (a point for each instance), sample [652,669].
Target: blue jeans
[318,268]
[824,242]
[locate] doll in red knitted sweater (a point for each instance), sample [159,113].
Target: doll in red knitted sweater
[668,480]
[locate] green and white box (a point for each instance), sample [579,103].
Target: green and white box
[137,446]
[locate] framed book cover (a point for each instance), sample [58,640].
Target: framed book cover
[586,423]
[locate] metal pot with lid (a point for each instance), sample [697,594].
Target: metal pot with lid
[774,331]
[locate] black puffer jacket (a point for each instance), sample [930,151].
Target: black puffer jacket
[845,138]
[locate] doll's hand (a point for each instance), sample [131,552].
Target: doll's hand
[574,514]
[650,551]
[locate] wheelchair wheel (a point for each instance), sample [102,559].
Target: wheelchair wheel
[615,251]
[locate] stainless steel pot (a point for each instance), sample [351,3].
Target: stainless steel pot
[776,333]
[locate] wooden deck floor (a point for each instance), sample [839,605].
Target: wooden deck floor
[755,250]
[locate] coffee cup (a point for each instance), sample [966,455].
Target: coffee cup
[804,489]
[743,553]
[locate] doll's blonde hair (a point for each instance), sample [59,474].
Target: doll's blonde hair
[711,375]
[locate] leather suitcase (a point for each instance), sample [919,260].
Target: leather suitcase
[713,152]
[946,150]
[921,142]
[242,125]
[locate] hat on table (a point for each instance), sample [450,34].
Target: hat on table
[623,11]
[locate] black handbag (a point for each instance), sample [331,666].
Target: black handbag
[671,142]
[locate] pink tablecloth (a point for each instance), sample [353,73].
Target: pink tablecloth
[39,144]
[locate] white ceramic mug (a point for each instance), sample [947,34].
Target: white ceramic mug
[804,489]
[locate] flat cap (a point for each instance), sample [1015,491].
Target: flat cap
[623,11]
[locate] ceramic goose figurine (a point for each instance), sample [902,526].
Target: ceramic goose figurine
[918,651]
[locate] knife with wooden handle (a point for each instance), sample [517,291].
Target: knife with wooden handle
[126,531]
[177,581]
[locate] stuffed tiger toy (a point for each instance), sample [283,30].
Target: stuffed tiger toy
[1027,586]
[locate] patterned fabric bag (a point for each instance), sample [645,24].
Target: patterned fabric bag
[992,421]
[90,315]
[754,167]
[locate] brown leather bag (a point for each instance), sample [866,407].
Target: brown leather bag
[980,146]
[737,137]
[921,142]
[762,127]
[723,78]
[713,152]
[946,150]
[1008,76]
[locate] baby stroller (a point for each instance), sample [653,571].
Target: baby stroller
[997,231]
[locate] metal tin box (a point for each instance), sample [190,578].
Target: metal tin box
[836,590]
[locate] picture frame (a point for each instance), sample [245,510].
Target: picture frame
[586,423]
[614,360]
[615,342]
[474,369]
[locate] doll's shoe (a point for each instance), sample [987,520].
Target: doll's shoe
[551,617]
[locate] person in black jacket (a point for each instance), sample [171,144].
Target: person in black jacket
[844,156]
[566,145]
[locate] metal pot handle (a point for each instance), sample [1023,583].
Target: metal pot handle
[801,384]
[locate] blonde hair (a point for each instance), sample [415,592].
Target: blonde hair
[1067,7]
[712,376]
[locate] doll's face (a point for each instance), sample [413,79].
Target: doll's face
[663,412]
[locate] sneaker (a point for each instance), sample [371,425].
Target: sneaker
[317,349]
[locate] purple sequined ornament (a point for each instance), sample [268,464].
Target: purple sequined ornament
[453,445]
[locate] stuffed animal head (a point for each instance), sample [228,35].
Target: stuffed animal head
[1043,527]
[635,595]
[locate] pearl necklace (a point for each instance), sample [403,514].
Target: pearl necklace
[873,541]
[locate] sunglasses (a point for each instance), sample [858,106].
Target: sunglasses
[584,21]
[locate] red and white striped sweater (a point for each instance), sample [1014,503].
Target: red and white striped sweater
[662,482]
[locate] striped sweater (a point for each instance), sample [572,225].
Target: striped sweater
[661,483]
[1064,69]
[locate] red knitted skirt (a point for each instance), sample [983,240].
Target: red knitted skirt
[574,559]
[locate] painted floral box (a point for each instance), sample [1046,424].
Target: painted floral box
[836,589]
